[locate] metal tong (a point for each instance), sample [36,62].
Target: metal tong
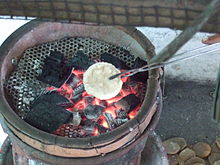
[196,52]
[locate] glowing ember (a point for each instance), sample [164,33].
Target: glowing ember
[80,99]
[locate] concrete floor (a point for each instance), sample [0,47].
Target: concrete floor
[188,112]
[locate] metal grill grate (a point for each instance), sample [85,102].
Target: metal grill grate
[23,85]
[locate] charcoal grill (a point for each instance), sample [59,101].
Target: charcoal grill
[23,52]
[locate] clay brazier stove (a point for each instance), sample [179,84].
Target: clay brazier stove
[22,55]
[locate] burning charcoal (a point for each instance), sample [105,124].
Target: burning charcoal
[76,119]
[47,117]
[79,90]
[106,57]
[52,98]
[54,71]
[121,114]
[101,129]
[103,103]
[110,120]
[89,99]
[81,61]
[93,112]
[76,98]
[128,103]
[142,76]
[73,80]
[89,127]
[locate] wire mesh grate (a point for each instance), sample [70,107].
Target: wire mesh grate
[23,85]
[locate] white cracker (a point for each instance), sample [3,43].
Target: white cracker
[97,83]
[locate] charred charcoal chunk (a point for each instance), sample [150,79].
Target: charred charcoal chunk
[73,80]
[122,117]
[48,117]
[106,57]
[76,120]
[128,103]
[79,90]
[122,114]
[102,129]
[89,99]
[142,76]
[89,127]
[120,121]
[93,112]
[65,105]
[81,61]
[76,98]
[52,98]
[54,71]
[110,120]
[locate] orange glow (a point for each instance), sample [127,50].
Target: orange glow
[111,110]
[96,132]
[80,105]
[96,101]
[114,99]
[133,113]
[124,92]
[85,94]
[78,72]
[68,91]
[104,123]
[50,88]
[125,79]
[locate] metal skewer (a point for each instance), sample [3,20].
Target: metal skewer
[201,51]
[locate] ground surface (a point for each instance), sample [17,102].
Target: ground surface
[187,112]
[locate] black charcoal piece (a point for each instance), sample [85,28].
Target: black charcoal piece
[106,57]
[79,89]
[122,114]
[93,112]
[128,103]
[73,80]
[122,117]
[52,98]
[101,129]
[110,120]
[119,121]
[142,76]
[89,99]
[76,120]
[89,127]
[76,98]
[81,61]
[48,117]
[54,71]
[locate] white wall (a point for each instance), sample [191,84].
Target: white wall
[202,69]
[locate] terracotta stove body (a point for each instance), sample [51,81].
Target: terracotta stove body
[122,145]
